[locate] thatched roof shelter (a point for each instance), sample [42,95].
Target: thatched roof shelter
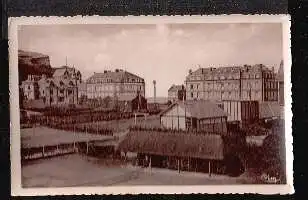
[174,144]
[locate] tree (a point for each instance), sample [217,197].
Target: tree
[21,97]
[274,156]
[106,102]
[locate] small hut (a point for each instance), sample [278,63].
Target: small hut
[195,115]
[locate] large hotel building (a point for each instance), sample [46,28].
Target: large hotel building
[122,84]
[256,82]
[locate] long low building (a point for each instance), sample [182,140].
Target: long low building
[184,151]
[195,115]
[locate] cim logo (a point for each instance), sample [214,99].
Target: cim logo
[269,179]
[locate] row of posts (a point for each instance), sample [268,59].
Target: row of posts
[74,143]
[179,166]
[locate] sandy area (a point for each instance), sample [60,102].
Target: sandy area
[77,170]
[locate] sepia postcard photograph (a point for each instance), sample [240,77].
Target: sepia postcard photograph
[142,104]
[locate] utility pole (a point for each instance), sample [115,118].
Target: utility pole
[154,84]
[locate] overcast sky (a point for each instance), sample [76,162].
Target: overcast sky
[163,52]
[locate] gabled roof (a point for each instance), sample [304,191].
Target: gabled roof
[199,109]
[61,70]
[46,82]
[271,110]
[174,144]
[175,88]
[63,82]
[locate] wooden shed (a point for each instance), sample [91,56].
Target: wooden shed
[195,115]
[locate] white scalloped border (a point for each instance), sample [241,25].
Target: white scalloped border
[16,188]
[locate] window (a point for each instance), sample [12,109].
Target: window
[192,95]
[197,87]
[28,87]
[191,86]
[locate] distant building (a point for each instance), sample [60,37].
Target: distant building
[82,89]
[60,89]
[280,78]
[195,115]
[176,92]
[118,83]
[232,83]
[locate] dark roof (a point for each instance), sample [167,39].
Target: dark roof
[174,144]
[270,110]
[61,70]
[200,109]
[176,88]
[115,76]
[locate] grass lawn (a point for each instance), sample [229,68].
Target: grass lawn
[39,136]
[124,124]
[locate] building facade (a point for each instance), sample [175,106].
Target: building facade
[232,83]
[30,87]
[118,83]
[176,92]
[60,89]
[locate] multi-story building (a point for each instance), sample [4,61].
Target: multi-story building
[60,89]
[30,87]
[256,83]
[118,83]
[176,92]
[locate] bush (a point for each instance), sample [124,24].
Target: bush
[274,156]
